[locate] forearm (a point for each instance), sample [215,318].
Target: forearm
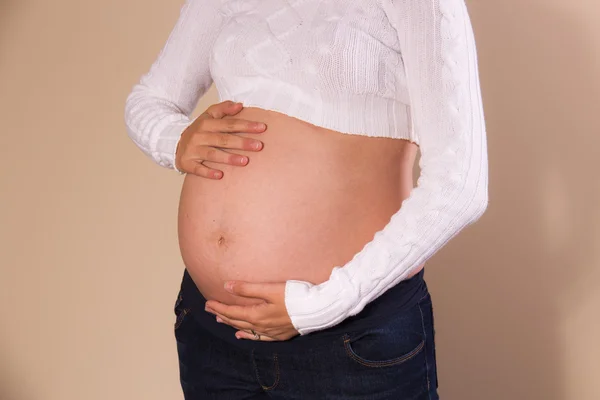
[438,49]
[154,124]
[159,106]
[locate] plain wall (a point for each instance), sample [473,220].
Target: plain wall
[89,261]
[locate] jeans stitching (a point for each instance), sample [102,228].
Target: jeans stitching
[426,363]
[178,301]
[181,316]
[377,364]
[264,387]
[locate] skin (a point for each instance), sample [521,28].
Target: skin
[202,139]
[198,144]
[269,318]
[260,306]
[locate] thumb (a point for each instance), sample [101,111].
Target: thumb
[224,108]
[264,291]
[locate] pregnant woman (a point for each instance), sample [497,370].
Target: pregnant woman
[304,255]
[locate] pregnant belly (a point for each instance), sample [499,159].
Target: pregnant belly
[308,201]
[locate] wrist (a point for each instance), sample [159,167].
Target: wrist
[316,307]
[176,167]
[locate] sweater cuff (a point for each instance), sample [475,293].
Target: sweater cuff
[316,307]
[168,141]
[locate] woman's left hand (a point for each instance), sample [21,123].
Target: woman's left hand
[269,319]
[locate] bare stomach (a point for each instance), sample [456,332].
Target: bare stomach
[308,201]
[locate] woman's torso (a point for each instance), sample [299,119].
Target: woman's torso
[307,202]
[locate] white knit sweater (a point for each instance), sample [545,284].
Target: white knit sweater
[393,68]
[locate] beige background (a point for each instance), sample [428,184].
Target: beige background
[89,260]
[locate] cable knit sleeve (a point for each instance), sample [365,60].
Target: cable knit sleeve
[440,61]
[158,109]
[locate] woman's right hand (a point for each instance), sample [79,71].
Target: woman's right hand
[202,139]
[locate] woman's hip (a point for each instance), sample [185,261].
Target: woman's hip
[387,351]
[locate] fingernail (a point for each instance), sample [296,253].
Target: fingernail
[228,286]
[219,319]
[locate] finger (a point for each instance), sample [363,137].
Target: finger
[248,335]
[224,108]
[233,125]
[242,313]
[227,140]
[264,291]
[197,168]
[234,322]
[207,153]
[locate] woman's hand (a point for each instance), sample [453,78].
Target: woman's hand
[269,319]
[202,139]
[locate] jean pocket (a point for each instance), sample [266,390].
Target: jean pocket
[180,311]
[393,341]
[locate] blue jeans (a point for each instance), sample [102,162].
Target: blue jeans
[386,351]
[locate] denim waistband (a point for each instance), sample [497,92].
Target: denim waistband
[400,297]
